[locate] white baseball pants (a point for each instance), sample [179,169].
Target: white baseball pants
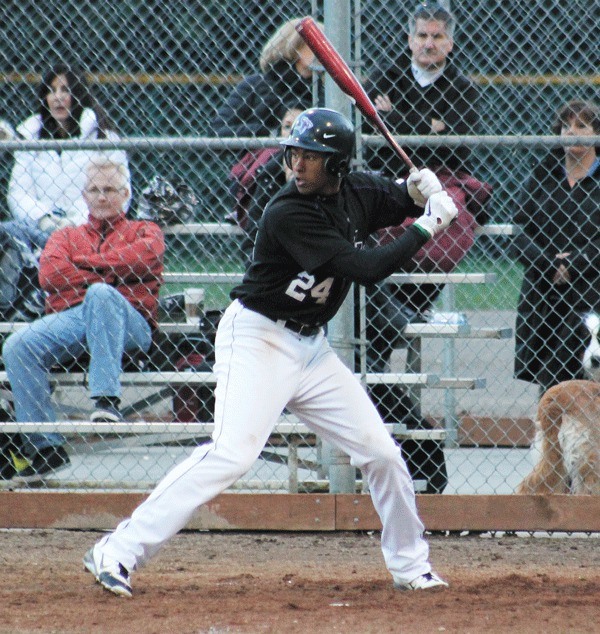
[261,368]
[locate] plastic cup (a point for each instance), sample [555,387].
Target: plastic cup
[194,303]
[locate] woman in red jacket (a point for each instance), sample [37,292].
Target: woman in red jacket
[102,280]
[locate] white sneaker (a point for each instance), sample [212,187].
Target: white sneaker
[423,582]
[109,573]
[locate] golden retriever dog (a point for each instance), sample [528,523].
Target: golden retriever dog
[569,441]
[591,356]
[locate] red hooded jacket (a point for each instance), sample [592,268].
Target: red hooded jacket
[127,254]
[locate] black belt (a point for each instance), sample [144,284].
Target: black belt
[295,326]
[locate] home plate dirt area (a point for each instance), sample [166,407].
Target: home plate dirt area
[302,582]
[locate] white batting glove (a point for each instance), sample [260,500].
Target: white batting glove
[440,211]
[421,185]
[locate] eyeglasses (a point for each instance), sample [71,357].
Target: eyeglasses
[104,191]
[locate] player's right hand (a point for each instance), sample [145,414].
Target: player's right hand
[440,211]
[421,185]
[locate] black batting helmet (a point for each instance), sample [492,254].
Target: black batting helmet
[167,201]
[323,130]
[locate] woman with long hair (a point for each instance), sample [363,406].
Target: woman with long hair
[45,185]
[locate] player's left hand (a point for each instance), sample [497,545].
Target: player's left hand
[440,211]
[421,185]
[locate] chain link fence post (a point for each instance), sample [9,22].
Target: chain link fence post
[342,476]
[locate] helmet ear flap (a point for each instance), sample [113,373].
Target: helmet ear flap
[287,156]
[337,166]
[343,167]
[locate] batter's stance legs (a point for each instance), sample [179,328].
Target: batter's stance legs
[261,366]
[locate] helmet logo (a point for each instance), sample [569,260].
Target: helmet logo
[328,136]
[302,125]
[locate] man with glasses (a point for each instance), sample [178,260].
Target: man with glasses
[102,281]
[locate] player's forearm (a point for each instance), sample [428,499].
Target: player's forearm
[368,266]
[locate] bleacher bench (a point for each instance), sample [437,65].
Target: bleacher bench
[415,380]
[295,434]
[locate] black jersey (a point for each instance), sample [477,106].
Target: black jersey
[309,249]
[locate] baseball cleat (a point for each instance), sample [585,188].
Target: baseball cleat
[109,573]
[423,582]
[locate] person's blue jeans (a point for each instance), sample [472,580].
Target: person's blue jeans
[105,325]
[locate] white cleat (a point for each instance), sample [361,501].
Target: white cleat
[427,581]
[109,573]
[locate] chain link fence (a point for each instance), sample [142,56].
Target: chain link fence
[183,86]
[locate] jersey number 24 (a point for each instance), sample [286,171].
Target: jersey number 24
[304,286]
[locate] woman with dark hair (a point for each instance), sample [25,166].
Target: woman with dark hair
[559,248]
[45,186]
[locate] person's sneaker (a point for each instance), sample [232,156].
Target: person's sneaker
[423,582]
[45,462]
[7,467]
[107,410]
[11,459]
[20,462]
[109,573]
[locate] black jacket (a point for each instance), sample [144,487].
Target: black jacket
[257,104]
[556,218]
[452,98]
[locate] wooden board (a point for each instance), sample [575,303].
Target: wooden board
[483,513]
[308,512]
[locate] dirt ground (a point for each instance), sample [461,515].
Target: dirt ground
[302,582]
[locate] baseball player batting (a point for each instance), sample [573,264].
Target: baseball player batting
[272,352]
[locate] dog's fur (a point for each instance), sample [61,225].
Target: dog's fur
[591,356]
[569,427]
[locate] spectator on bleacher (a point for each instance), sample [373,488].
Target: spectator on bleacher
[425,94]
[45,186]
[559,247]
[102,280]
[258,176]
[259,102]
[422,94]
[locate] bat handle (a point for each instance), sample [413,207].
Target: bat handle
[399,151]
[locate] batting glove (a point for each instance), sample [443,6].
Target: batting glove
[440,211]
[421,185]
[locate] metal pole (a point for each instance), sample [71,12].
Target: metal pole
[449,369]
[342,476]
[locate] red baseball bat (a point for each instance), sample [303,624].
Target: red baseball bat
[342,75]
